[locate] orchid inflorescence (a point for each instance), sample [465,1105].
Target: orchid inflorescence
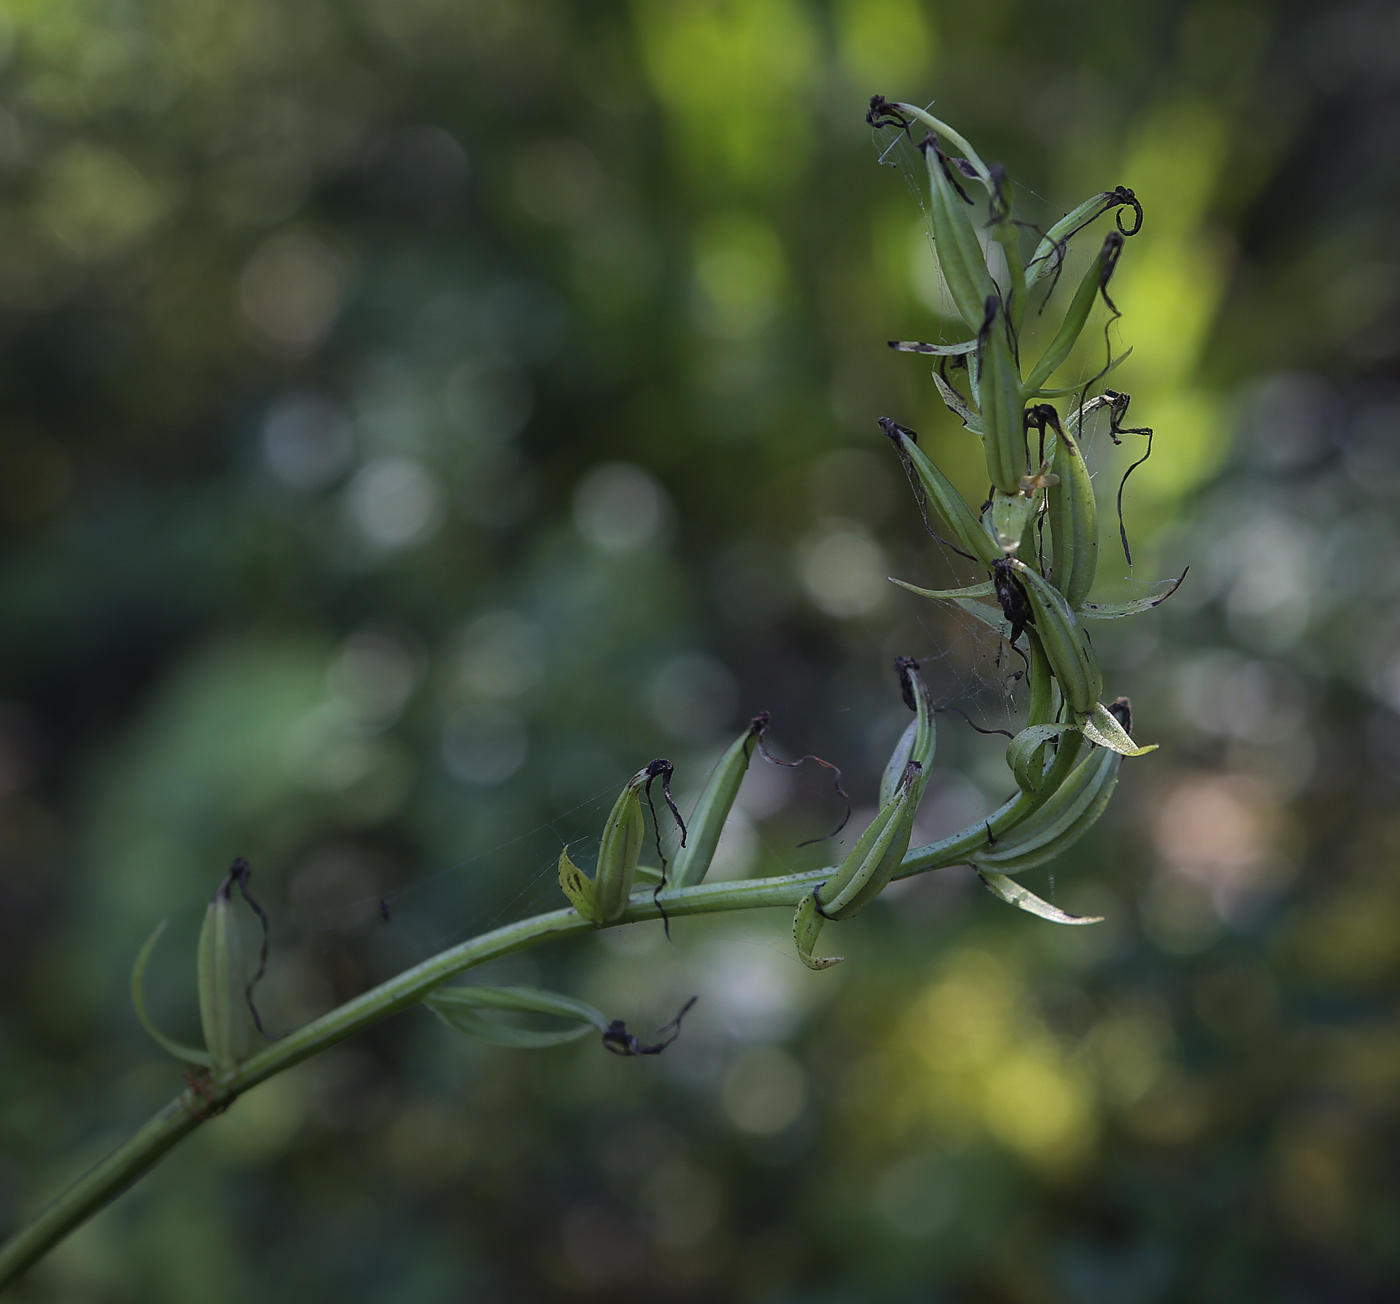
[1037,540]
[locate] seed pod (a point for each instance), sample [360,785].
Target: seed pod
[1011,517]
[223,980]
[919,741]
[1025,753]
[1008,235]
[957,848]
[879,851]
[1065,643]
[960,256]
[999,394]
[1094,282]
[692,862]
[898,763]
[621,848]
[1074,523]
[1048,255]
[952,506]
[1041,707]
[1059,822]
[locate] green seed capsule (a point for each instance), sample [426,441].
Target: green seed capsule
[223,981]
[1094,283]
[1059,822]
[1003,411]
[621,848]
[952,506]
[879,851]
[1074,523]
[873,851]
[898,763]
[960,256]
[1008,235]
[1066,645]
[692,862]
[1041,707]
[1048,255]
[1025,754]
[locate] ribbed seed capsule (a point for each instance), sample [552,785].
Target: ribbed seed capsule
[864,873]
[879,851]
[1073,516]
[1095,281]
[1048,256]
[223,980]
[621,848]
[1059,822]
[999,394]
[952,506]
[1040,709]
[898,763]
[1008,235]
[960,256]
[1066,645]
[692,862]
[956,848]
[1025,754]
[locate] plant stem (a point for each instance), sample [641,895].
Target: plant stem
[207,1097]
[195,1105]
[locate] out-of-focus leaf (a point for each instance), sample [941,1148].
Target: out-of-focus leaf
[138,998]
[461,1008]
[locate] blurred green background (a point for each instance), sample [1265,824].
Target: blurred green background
[417,414]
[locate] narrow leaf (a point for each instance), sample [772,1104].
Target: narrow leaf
[1117,610]
[956,404]
[1014,894]
[984,590]
[461,1008]
[1102,727]
[138,998]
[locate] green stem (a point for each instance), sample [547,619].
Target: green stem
[206,1097]
[197,1103]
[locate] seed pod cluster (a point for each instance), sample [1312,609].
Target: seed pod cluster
[1037,537]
